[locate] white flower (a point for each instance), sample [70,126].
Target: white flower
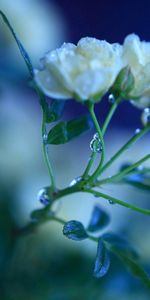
[85,71]
[137,56]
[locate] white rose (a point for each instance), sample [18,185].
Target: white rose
[85,71]
[137,56]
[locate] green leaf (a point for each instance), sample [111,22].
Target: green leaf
[54,110]
[132,265]
[63,132]
[102,262]
[42,98]
[115,240]
[39,214]
[74,230]
[99,219]
[20,46]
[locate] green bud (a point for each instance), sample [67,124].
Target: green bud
[124,83]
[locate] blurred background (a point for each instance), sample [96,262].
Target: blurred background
[45,265]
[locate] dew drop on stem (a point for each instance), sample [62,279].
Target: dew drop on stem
[111,98]
[137,130]
[45,136]
[43,196]
[95,144]
[75,181]
[145,117]
[140,168]
[95,136]
[111,202]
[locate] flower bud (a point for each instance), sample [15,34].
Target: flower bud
[124,83]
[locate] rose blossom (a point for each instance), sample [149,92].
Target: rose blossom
[137,56]
[83,72]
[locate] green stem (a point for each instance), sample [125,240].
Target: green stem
[89,165]
[33,226]
[120,202]
[98,129]
[46,157]
[59,220]
[124,172]
[71,190]
[126,146]
[76,189]
[110,115]
[106,123]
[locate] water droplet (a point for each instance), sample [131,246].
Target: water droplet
[45,136]
[111,202]
[111,98]
[75,181]
[95,136]
[95,144]
[43,196]
[145,117]
[146,110]
[140,168]
[137,130]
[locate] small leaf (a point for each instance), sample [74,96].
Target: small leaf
[102,261]
[20,46]
[42,98]
[99,219]
[74,230]
[55,110]
[52,111]
[63,132]
[116,240]
[39,214]
[113,239]
[132,265]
